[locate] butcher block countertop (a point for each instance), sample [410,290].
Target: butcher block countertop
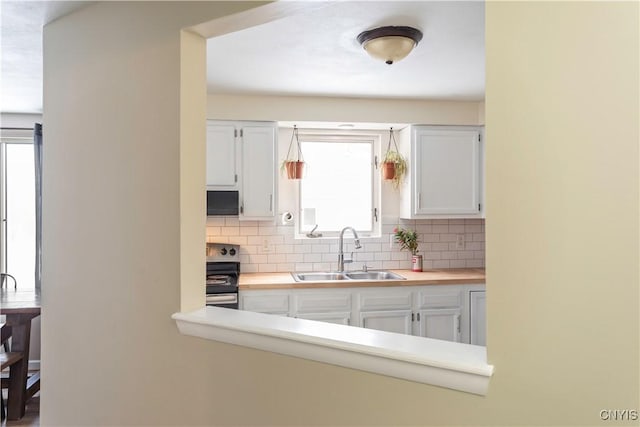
[264,281]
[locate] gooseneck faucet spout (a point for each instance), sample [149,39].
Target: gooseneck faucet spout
[356,242]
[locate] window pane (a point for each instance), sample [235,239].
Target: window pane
[21,228]
[337,189]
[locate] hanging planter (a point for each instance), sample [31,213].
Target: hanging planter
[393,165]
[294,166]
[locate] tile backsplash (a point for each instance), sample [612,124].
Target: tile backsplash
[267,247]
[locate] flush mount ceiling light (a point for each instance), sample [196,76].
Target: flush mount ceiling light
[390,44]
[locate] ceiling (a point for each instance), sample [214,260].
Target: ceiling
[306,54]
[317,53]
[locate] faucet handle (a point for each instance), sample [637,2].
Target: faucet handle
[350,260]
[364,267]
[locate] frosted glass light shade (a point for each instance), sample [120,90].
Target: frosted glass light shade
[389,49]
[390,44]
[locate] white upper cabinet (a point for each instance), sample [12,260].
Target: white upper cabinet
[444,172]
[222,160]
[257,198]
[242,156]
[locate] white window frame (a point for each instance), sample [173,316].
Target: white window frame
[337,137]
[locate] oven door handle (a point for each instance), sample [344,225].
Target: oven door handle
[222,298]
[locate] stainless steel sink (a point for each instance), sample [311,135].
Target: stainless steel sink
[374,275]
[353,275]
[318,276]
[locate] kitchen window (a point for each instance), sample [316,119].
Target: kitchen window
[340,187]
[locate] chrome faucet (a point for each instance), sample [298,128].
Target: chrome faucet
[356,242]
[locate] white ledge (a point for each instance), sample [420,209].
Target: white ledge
[442,363]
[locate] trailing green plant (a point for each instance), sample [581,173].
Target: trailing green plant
[408,239]
[393,156]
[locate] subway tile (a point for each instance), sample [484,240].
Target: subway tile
[213,231]
[478,237]
[229,231]
[440,221]
[372,247]
[284,249]
[303,266]
[248,268]
[231,222]
[474,246]
[440,229]
[474,221]
[266,268]
[283,268]
[449,255]
[244,259]
[448,237]
[426,265]
[457,263]
[441,264]
[478,254]
[276,258]
[454,221]
[431,238]
[465,254]
[431,255]
[382,256]
[297,258]
[248,231]
[249,249]
[424,228]
[259,258]
[215,221]
[321,266]
[249,223]
[327,257]
[312,257]
[302,249]
[320,249]
[456,228]
[392,265]
[475,263]
[399,256]
[440,246]
[473,228]
[254,240]
[266,230]
[238,240]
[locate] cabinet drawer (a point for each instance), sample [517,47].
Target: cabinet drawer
[278,303]
[439,299]
[385,300]
[319,302]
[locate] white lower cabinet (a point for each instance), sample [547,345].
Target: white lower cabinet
[445,312]
[325,305]
[478,317]
[398,321]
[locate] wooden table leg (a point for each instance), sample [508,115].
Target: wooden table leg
[20,336]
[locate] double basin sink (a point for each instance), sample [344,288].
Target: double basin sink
[351,275]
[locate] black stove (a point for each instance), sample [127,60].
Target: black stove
[223,271]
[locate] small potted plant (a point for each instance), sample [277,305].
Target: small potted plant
[393,165]
[408,239]
[294,166]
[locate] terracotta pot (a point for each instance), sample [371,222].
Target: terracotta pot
[388,170]
[294,170]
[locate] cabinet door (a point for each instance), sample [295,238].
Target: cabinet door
[441,323]
[342,318]
[221,156]
[398,321]
[447,172]
[258,172]
[265,302]
[478,316]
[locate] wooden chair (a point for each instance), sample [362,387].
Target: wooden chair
[7,360]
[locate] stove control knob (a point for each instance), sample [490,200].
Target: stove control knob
[232,252]
[223,251]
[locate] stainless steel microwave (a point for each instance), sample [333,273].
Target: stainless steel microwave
[222,203]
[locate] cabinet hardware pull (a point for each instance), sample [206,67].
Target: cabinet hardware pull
[412,317]
[459,321]
[418,317]
[270,202]
[241,208]
[419,200]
